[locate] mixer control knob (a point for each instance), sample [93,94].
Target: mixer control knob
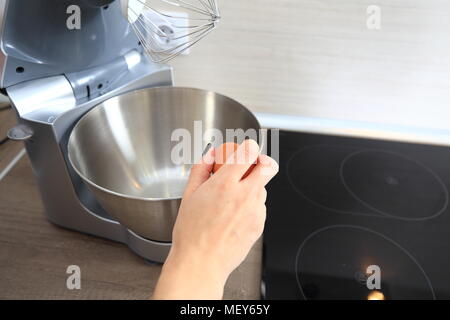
[20,132]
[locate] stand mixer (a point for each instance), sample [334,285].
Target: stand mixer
[54,75]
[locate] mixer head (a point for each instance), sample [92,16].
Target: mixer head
[167,28]
[35,41]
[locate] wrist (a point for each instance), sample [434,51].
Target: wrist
[196,265]
[190,276]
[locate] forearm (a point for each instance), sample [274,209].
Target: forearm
[187,277]
[216,225]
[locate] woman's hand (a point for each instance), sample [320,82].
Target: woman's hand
[220,218]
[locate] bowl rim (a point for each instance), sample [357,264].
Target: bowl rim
[130,197]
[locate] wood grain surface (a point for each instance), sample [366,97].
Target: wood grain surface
[318,58]
[34,255]
[9,149]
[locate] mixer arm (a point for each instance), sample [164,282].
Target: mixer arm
[96,3]
[36,42]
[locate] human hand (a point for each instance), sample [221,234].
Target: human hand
[220,218]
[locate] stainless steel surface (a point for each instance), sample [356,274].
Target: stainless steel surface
[158,27]
[122,150]
[68,203]
[43,38]
[50,99]
[3,55]
[52,93]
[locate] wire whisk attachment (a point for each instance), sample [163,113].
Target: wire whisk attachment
[167,28]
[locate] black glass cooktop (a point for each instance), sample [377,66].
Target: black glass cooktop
[353,218]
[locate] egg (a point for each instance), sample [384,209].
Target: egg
[223,152]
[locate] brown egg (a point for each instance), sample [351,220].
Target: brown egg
[223,152]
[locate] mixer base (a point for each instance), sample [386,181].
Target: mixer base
[68,202]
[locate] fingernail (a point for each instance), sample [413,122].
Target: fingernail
[252,144]
[269,162]
[275,165]
[265,160]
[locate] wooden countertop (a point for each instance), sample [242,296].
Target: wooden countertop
[34,254]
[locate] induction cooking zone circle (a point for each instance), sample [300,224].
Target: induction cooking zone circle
[367,182]
[394,185]
[335,262]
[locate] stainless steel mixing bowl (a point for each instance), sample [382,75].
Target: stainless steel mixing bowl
[122,150]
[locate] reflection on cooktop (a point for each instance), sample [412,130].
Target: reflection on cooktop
[334,263]
[341,206]
[393,185]
[349,180]
[314,172]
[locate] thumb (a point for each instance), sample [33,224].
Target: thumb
[200,172]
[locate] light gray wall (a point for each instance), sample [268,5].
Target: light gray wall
[318,58]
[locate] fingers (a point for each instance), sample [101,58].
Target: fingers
[239,162]
[263,172]
[200,172]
